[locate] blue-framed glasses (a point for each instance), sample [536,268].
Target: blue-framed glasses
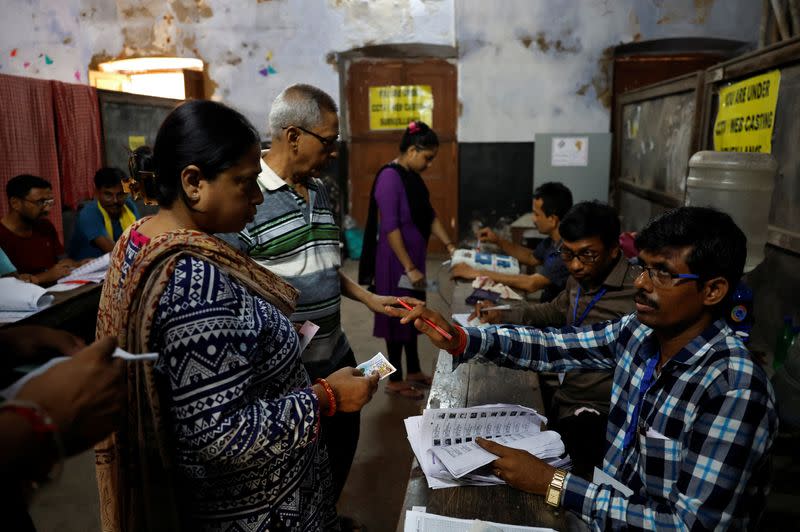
[661,278]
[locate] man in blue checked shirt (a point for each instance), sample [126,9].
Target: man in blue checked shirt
[692,415]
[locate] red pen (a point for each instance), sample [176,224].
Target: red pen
[426,320]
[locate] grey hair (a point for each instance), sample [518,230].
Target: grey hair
[299,105]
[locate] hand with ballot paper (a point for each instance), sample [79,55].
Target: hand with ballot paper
[518,468]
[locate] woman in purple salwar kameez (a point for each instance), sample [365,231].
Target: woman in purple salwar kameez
[400,222]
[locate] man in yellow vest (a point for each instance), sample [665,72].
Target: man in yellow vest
[101,222]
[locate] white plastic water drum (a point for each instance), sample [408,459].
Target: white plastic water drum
[739,184]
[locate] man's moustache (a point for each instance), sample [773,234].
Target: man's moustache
[644,300]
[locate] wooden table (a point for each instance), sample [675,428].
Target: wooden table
[74,311]
[476,383]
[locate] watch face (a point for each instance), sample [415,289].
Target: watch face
[553,496]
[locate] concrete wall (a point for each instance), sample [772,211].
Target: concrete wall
[528,66]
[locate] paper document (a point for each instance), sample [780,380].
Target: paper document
[425,522]
[377,364]
[462,319]
[601,477]
[19,299]
[306,333]
[445,437]
[469,456]
[93,271]
[16,386]
[486,261]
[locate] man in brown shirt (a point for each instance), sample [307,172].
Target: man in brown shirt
[600,288]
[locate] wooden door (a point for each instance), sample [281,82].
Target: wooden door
[371,149]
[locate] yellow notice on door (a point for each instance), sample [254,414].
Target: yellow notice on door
[134,141]
[746,114]
[394,106]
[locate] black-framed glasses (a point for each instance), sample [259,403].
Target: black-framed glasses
[661,278]
[41,202]
[586,256]
[329,143]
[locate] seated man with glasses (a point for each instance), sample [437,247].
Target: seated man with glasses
[600,288]
[102,221]
[693,415]
[27,236]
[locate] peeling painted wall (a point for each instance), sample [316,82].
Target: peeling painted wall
[252,48]
[528,66]
[524,66]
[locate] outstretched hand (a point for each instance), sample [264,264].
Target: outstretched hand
[519,469]
[463,271]
[418,315]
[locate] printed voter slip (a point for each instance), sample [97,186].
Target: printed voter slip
[16,386]
[379,365]
[306,333]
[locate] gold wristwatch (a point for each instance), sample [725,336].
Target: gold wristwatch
[553,495]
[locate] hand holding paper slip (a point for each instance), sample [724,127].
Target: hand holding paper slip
[377,364]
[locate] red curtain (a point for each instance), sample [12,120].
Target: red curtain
[80,143]
[28,137]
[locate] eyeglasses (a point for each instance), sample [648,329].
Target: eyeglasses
[329,143]
[41,202]
[586,257]
[110,196]
[661,278]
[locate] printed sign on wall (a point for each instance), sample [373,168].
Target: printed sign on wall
[394,106]
[746,114]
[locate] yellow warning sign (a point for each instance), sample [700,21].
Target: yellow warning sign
[746,114]
[394,106]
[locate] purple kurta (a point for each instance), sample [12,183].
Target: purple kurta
[394,213]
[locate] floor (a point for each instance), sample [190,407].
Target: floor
[376,486]
[377,482]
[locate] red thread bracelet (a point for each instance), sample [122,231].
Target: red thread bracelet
[331,397]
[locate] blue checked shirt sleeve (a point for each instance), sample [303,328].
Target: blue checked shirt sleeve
[727,442]
[590,347]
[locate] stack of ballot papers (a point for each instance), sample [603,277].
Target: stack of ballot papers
[417,521]
[19,299]
[443,440]
[93,271]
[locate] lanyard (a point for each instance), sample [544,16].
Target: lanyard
[577,322]
[647,381]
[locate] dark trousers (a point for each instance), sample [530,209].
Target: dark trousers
[339,433]
[584,437]
[395,351]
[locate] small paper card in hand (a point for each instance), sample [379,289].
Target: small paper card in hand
[378,364]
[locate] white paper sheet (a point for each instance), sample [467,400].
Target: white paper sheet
[94,270]
[456,426]
[19,296]
[601,477]
[425,522]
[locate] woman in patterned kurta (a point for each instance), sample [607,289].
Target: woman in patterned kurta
[236,445]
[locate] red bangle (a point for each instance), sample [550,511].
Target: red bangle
[43,428]
[331,397]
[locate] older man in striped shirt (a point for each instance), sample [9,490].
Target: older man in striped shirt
[692,415]
[294,235]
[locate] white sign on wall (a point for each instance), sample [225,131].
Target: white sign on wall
[570,151]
